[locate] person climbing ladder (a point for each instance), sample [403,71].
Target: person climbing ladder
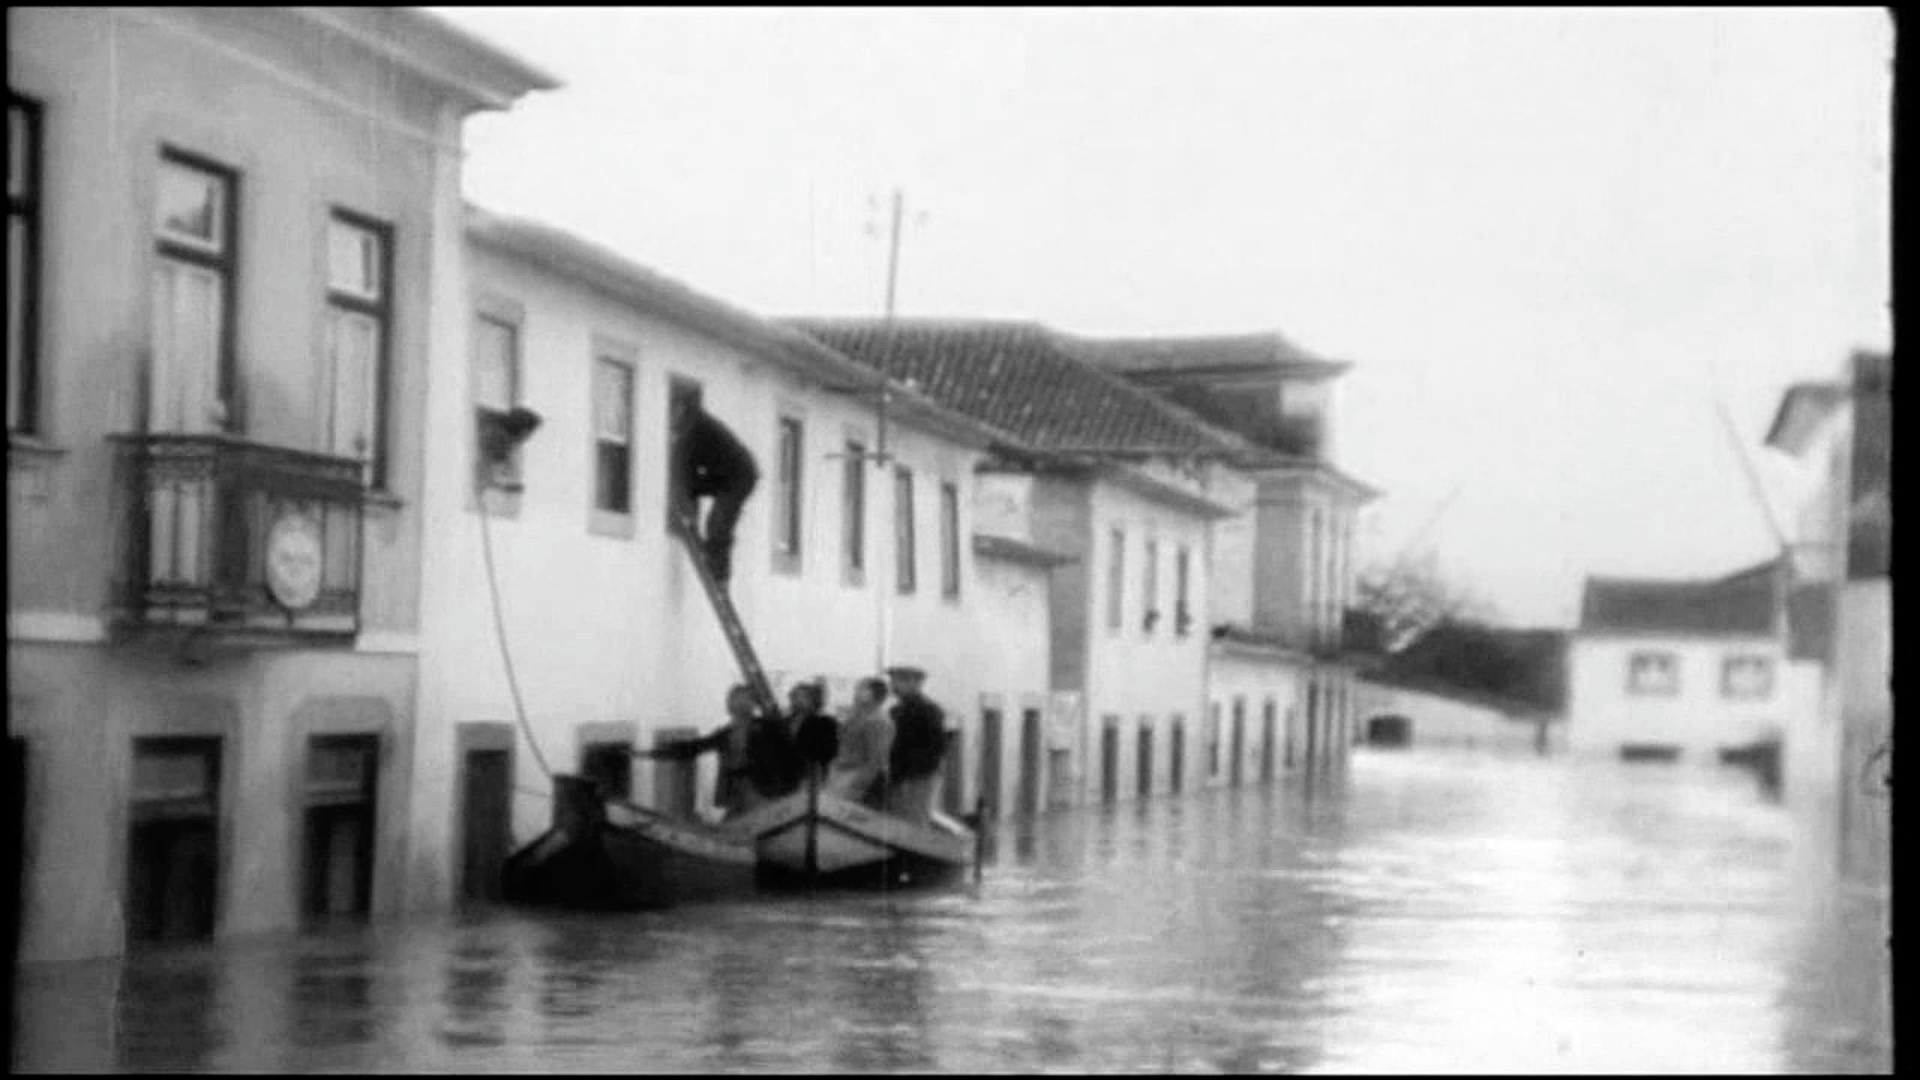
[709,461]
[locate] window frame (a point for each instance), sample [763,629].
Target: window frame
[906,568]
[1150,584]
[1672,660]
[1116,578]
[789,514]
[224,261]
[1731,661]
[25,207]
[508,480]
[678,386]
[613,520]
[1183,584]
[380,309]
[853,510]
[949,540]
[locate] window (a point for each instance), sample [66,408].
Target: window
[949,540]
[853,508]
[1213,742]
[1747,678]
[191,380]
[903,529]
[342,774]
[788,499]
[496,390]
[23,265]
[612,435]
[682,393]
[1150,599]
[1653,674]
[359,294]
[1116,570]
[1182,616]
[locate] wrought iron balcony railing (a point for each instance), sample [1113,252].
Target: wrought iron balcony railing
[236,536]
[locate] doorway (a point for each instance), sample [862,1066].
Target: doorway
[338,868]
[1032,763]
[174,843]
[1236,765]
[1109,759]
[609,765]
[1268,715]
[952,779]
[1143,780]
[487,820]
[1177,763]
[989,771]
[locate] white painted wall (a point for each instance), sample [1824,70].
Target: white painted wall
[1439,720]
[1602,714]
[1255,680]
[612,628]
[1005,660]
[1133,672]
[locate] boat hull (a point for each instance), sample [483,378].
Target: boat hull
[614,856]
[830,842]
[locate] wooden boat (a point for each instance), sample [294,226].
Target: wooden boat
[611,854]
[817,839]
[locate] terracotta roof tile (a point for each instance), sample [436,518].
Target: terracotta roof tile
[1025,379]
[1740,603]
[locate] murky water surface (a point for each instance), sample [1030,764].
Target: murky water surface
[1426,912]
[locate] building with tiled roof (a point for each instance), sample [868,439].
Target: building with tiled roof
[1741,603]
[1025,379]
[1094,425]
[185,182]
[1685,668]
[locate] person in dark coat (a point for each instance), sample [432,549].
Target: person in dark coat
[710,462]
[919,745]
[815,734]
[758,762]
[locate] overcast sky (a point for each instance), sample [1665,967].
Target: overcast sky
[1550,241]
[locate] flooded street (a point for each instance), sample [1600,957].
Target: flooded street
[1426,912]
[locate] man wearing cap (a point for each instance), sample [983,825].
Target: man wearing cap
[919,745]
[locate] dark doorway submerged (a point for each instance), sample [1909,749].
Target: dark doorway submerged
[1392,731]
[486,822]
[339,826]
[174,843]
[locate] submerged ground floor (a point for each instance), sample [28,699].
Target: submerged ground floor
[1418,910]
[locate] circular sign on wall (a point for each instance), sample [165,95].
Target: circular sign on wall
[293,560]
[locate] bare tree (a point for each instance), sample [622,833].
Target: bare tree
[1409,595]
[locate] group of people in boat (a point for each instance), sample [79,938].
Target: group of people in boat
[885,758]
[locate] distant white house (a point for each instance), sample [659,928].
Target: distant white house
[1683,669]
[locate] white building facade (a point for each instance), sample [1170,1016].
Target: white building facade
[229,231]
[1684,670]
[844,561]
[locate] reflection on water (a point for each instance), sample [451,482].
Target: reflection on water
[1423,912]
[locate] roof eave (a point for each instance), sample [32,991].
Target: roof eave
[1140,483]
[482,74]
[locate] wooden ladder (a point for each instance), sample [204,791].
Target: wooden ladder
[743,652]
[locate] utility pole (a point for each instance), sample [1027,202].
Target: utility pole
[883,622]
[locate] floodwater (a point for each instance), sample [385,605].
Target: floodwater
[1425,911]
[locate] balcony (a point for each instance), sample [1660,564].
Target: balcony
[238,538]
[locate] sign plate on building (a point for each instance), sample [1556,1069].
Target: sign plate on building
[294,559]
